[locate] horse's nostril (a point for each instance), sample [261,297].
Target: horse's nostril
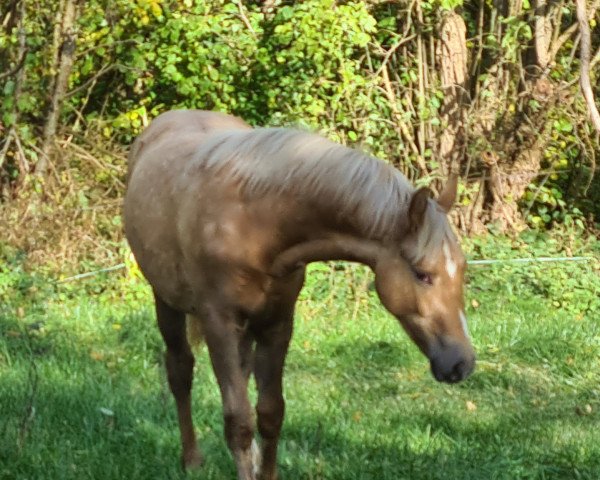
[452,366]
[458,372]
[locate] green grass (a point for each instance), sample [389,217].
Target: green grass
[83,394]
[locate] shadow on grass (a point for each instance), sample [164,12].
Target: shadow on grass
[90,425]
[359,356]
[445,449]
[72,439]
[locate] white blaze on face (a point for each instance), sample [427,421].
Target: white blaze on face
[463,322]
[450,263]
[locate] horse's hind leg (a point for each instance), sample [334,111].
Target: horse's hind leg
[180,366]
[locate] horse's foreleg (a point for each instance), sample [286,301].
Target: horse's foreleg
[180,366]
[229,355]
[271,349]
[246,352]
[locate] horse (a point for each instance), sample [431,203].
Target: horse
[223,218]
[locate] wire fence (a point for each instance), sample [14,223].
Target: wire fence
[492,261]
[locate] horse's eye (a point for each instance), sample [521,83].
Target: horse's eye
[423,277]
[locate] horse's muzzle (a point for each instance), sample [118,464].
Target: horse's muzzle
[452,362]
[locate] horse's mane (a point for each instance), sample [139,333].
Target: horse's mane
[279,160]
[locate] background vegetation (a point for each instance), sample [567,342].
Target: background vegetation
[488,89]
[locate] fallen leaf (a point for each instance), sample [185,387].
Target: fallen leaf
[474,303]
[96,355]
[471,407]
[584,410]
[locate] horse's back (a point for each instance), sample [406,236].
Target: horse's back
[161,152]
[179,131]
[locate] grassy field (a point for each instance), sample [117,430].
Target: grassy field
[83,394]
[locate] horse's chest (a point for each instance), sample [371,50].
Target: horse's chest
[252,291]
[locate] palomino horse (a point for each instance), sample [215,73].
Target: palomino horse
[223,218]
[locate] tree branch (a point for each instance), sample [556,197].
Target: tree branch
[103,71]
[585,46]
[6,146]
[66,54]
[564,36]
[244,18]
[542,33]
[401,126]
[17,67]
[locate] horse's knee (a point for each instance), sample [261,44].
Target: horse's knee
[270,417]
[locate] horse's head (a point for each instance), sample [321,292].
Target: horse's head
[422,285]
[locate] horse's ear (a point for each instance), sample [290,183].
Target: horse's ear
[448,195]
[418,207]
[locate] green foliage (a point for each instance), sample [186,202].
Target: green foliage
[205,56]
[516,36]
[316,63]
[450,4]
[316,47]
[553,200]
[572,287]
[17,285]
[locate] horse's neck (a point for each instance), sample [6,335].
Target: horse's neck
[329,235]
[366,219]
[334,247]
[350,190]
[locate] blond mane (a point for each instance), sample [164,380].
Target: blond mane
[279,160]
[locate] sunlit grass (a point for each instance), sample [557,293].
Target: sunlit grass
[83,392]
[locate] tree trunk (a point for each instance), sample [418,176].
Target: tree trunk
[543,34]
[60,81]
[18,17]
[452,58]
[586,86]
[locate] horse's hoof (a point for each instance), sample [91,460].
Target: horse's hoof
[272,475]
[192,460]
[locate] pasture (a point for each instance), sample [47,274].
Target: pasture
[83,393]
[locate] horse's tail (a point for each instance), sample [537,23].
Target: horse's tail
[195,334]
[132,157]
